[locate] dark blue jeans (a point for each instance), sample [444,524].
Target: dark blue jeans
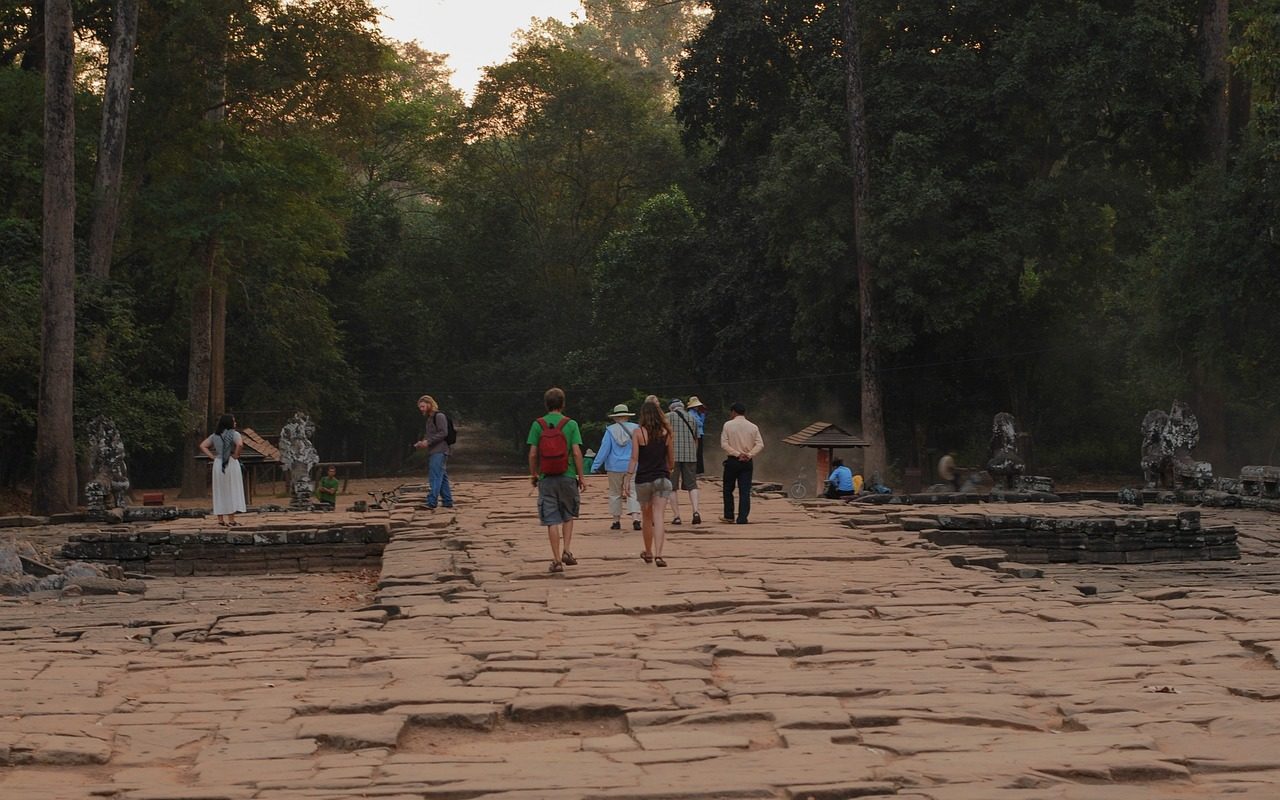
[737,474]
[438,480]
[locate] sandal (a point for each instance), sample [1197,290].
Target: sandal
[568,560]
[556,566]
[646,557]
[659,562]
[677,521]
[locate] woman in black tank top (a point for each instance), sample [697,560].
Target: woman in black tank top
[652,457]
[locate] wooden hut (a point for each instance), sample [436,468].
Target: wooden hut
[826,438]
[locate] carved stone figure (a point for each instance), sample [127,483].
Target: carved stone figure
[110,482]
[1156,455]
[1167,441]
[1005,465]
[298,456]
[1260,481]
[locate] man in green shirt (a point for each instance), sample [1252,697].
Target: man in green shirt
[327,491]
[555,464]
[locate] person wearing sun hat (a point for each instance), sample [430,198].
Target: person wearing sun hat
[685,474]
[613,457]
[698,413]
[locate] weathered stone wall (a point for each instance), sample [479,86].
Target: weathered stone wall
[1122,539]
[171,552]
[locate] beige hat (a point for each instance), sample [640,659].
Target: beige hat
[620,410]
[694,402]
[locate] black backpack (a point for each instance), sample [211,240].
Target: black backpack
[451,433]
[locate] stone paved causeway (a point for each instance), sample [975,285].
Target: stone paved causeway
[814,653]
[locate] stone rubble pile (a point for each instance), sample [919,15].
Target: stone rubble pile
[23,571]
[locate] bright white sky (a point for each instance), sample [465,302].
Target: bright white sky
[475,33]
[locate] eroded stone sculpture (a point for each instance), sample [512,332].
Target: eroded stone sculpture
[1156,455]
[1005,465]
[1167,441]
[109,486]
[1260,481]
[298,456]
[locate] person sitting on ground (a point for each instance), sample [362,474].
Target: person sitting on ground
[327,491]
[840,481]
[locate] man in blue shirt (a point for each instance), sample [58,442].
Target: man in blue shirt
[840,481]
[613,458]
[698,413]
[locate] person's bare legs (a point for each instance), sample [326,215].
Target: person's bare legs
[553,537]
[567,532]
[646,527]
[659,532]
[675,505]
[693,502]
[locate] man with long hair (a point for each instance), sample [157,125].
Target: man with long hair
[436,442]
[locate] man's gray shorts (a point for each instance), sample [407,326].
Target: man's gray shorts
[645,492]
[685,476]
[558,499]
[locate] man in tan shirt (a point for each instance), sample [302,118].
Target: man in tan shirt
[741,442]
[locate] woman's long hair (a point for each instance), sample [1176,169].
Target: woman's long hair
[225,422]
[654,422]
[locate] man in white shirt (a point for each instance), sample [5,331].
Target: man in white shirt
[740,439]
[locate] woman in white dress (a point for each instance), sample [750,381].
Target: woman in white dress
[223,448]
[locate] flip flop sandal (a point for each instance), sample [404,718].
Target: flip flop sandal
[659,562]
[646,557]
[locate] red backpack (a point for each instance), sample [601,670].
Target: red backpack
[553,448]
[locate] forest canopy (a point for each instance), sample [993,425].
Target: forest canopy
[1072,216]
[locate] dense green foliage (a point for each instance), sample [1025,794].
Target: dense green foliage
[657,198]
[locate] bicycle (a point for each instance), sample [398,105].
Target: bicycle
[386,498]
[799,488]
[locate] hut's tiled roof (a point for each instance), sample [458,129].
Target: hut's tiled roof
[825,434]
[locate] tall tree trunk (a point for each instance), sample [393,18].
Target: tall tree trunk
[55,478]
[218,352]
[33,57]
[1240,101]
[869,371]
[194,474]
[1207,398]
[1215,74]
[200,363]
[115,119]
